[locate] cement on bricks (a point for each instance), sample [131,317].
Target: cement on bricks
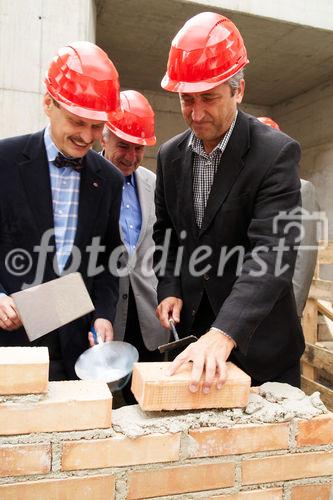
[132,421]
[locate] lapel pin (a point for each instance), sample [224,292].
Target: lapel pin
[95,184]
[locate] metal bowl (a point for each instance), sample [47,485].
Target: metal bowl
[110,362]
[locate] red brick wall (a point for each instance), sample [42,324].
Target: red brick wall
[62,446]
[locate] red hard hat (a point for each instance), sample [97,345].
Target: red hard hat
[206,52]
[268,121]
[84,81]
[135,123]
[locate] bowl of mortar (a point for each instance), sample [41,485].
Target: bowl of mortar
[110,362]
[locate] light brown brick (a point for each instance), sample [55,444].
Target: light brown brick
[24,370]
[286,467]
[18,460]
[70,405]
[211,442]
[156,391]
[120,451]
[317,431]
[87,488]
[267,494]
[184,479]
[312,492]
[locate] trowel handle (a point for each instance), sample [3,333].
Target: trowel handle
[97,338]
[93,331]
[173,329]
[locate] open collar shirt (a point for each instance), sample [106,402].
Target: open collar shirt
[204,169]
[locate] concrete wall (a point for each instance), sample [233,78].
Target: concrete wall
[317,14]
[31,31]
[168,121]
[308,118]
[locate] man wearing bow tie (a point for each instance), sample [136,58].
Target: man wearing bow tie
[53,181]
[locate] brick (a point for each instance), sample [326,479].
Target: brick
[18,460]
[212,442]
[156,391]
[267,494]
[120,451]
[287,467]
[88,487]
[184,479]
[70,405]
[317,431]
[312,492]
[24,370]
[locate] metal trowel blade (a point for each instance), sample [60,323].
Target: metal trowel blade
[178,344]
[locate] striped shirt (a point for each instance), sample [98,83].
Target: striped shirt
[130,219]
[130,214]
[204,169]
[65,187]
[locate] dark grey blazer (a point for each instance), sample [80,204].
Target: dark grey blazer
[256,180]
[26,213]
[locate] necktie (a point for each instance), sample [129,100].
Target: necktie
[63,161]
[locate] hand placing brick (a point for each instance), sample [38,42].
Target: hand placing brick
[156,391]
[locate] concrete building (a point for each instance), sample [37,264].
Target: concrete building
[290,47]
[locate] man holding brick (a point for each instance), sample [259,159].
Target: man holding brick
[225,194]
[53,184]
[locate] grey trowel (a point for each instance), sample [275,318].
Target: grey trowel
[177,343]
[48,306]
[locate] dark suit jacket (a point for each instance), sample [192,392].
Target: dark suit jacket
[257,178]
[26,213]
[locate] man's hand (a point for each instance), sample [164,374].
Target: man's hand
[9,316]
[208,354]
[168,309]
[103,329]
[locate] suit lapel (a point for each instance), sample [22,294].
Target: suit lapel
[37,185]
[35,177]
[145,199]
[91,189]
[228,171]
[184,175]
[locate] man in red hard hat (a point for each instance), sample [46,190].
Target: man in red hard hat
[225,192]
[61,197]
[124,140]
[307,252]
